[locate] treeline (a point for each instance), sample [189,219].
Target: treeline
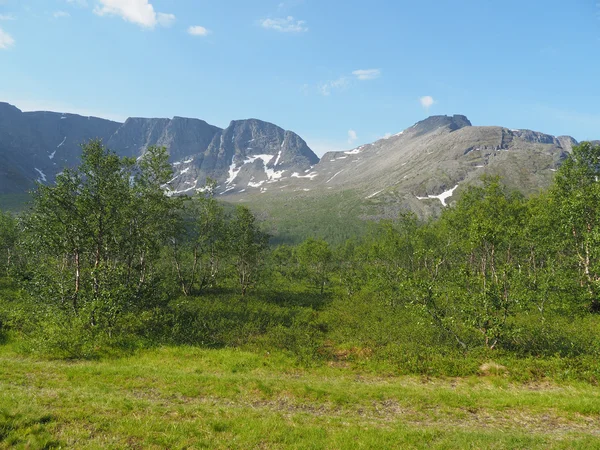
[103,259]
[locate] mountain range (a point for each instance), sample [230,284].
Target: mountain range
[423,168]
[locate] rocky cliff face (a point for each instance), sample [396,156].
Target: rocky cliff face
[425,167]
[181,136]
[245,155]
[38,145]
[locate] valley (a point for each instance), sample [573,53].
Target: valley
[422,169]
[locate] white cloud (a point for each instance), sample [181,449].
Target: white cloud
[198,31]
[61,14]
[165,20]
[139,12]
[427,101]
[367,74]
[344,82]
[7,17]
[6,40]
[340,84]
[352,137]
[387,135]
[285,25]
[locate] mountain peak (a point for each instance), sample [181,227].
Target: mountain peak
[8,107]
[453,123]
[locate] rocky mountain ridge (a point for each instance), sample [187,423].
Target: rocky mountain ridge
[422,168]
[36,146]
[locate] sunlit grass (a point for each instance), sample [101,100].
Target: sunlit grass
[188,397]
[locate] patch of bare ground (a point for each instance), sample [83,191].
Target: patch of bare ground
[386,413]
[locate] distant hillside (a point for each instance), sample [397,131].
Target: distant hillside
[423,168]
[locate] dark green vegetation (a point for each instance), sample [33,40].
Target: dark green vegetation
[105,267]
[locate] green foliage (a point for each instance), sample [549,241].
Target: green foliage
[201,248]
[248,247]
[93,240]
[577,197]
[316,261]
[106,263]
[8,242]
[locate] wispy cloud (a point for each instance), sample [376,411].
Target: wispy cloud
[165,20]
[285,25]
[61,14]
[6,40]
[344,82]
[339,84]
[7,17]
[367,74]
[198,31]
[352,137]
[427,101]
[140,12]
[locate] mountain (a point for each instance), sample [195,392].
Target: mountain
[36,146]
[182,136]
[244,156]
[423,168]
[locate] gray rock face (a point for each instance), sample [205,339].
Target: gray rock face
[245,156]
[182,137]
[425,167]
[433,123]
[38,145]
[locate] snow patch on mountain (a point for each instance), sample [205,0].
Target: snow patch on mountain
[356,151]
[335,176]
[310,175]
[42,177]
[373,195]
[442,197]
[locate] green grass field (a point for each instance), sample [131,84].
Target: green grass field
[14,203]
[193,398]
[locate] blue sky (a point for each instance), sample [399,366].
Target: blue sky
[339,73]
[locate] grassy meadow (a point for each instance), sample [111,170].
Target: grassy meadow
[129,319]
[193,398]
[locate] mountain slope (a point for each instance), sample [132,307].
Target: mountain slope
[244,156]
[36,146]
[423,168]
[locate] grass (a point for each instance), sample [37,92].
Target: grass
[333,216]
[14,202]
[184,397]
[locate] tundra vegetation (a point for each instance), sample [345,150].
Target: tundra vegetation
[115,296]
